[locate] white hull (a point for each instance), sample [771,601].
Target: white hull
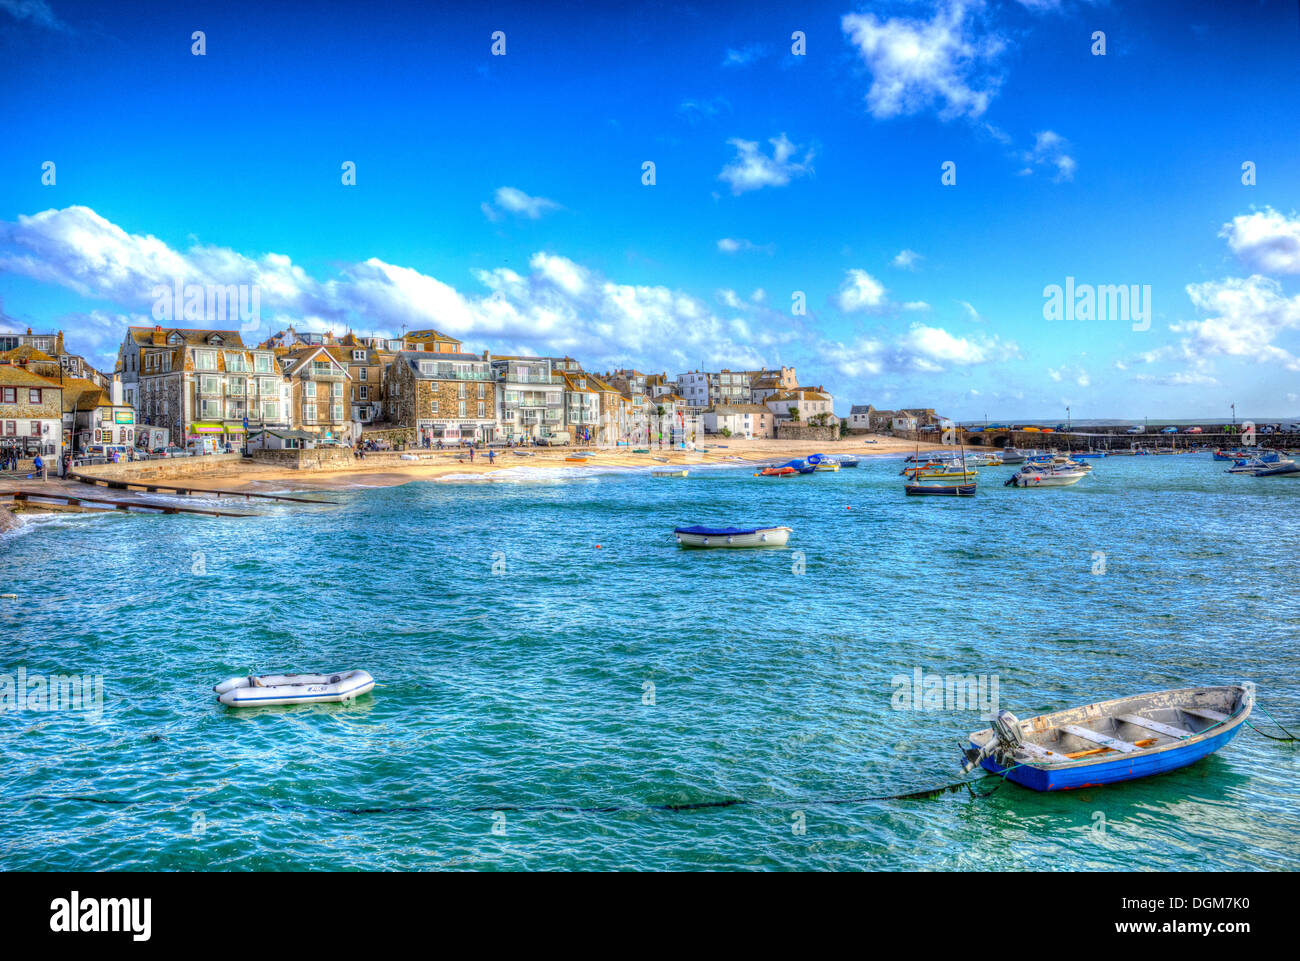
[273,689]
[767,537]
[1049,479]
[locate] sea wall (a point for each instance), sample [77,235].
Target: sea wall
[142,470]
[315,458]
[804,432]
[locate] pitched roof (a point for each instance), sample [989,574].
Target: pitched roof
[11,376]
[24,353]
[192,336]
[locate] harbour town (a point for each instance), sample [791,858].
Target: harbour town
[840,437]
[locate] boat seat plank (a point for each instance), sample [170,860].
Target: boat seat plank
[1204,712]
[1168,730]
[1105,740]
[1035,750]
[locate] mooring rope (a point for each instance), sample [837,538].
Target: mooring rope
[670,807]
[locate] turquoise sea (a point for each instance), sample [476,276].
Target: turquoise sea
[553,671]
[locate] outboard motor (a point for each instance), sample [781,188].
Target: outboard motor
[1006,738]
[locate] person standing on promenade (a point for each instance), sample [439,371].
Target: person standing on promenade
[38,465]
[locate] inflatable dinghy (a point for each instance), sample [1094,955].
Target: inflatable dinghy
[271,689]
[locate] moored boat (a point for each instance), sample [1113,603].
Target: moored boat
[921,489]
[828,466]
[733,536]
[847,460]
[1043,475]
[1111,741]
[268,690]
[670,473]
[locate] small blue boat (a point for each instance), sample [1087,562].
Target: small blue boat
[1111,741]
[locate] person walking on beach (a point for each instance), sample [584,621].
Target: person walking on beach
[471,453]
[492,457]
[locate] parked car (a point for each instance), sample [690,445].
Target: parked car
[1193,430]
[559,438]
[1169,430]
[1135,430]
[173,451]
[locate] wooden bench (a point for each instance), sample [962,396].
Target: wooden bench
[1145,722]
[1204,712]
[1034,750]
[1105,740]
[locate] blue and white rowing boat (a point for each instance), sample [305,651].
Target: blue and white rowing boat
[732,536]
[268,690]
[1111,741]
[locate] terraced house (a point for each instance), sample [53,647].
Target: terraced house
[31,412]
[530,404]
[319,395]
[202,384]
[450,397]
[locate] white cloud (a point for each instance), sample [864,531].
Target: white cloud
[1052,150]
[752,169]
[558,307]
[703,109]
[934,349]
[37,11]
[916,305]
[916,64]
[1249,314]
[860,291]
[971,312]
[906,260]
[1265,241]
[1076,375]
[732,245]
[514,201]
[744,56]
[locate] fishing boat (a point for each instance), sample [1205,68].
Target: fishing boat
[1280,469]
[1012,456]
[783,471]
[641,450]
[732,536]
[828,466]
[1111,741]
[847,460]
[670,473]
[268,690]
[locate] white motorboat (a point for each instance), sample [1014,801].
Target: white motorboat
[268,690]
[733,536]
[1045,476]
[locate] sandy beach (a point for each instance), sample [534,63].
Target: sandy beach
[387,470]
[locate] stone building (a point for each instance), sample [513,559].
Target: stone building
[31,412]
[450,397]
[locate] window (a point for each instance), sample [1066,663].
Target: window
[365,372]
[309,389]
[270,411]
[481,412]
[433,407]
[36,428]
[363,393]
[11,428]
[462,408]
[263,363]
[9,395]
[267,384]
[338,390]
[358,355]
[34,395]
[211,409]
[205,360]
[309,412]
[338,412]
[460,390]
[236,385]
[482,392]
[427,368]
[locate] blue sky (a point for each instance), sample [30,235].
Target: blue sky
[500,198]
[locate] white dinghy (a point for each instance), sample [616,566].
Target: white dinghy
[271,689]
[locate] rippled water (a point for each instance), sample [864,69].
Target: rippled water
[514,628]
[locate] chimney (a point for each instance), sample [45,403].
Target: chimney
[117,391]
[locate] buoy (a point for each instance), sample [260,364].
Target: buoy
[597,547]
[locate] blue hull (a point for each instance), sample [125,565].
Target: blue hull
[1121,768]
